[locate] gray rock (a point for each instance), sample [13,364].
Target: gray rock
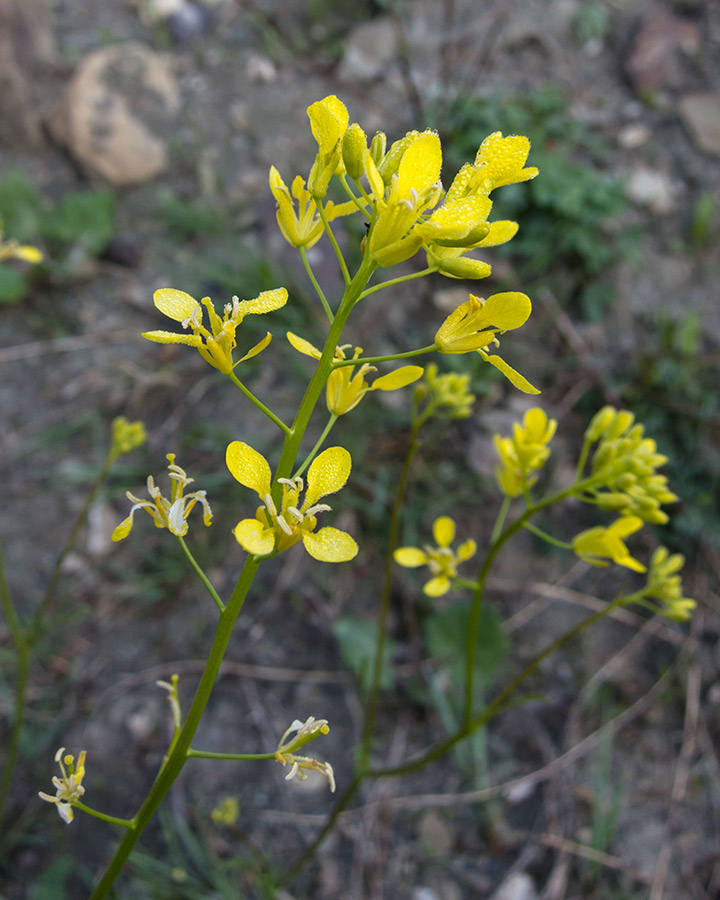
[518,886]
[700,114]
[370,49]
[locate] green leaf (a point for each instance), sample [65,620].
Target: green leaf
[13,285]
[87,218]
[446,636]
[22,209]
[51,884]
[357,638]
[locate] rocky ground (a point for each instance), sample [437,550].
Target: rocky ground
[174,112]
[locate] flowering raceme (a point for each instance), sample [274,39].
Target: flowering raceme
[215,346]
[525,453]
[441,560]
[275,529]
[344,390]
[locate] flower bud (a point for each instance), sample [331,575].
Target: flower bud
[354,148]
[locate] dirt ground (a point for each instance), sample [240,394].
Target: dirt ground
[606,785]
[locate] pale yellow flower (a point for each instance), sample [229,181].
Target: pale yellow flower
[303,733]
[69,788]
[596,545]
[442,560]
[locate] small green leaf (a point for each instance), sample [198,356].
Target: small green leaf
[13,285]
[446,635]
[357,638]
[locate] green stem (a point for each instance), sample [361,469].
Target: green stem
[371,707]
[477,599]
[500,521]
[356,200]
[399,280]
[180,753]
[207,754]
[311,275]
[548,538]
[338,364]
[318,444]
[501,701]
[260,405]
[22,667]
[200,574]
[111,820]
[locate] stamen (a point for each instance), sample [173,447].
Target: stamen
[270,506]
[319,507]
[295,512]
[284,525]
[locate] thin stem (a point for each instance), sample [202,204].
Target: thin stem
[399,280]
[200,574]
[356,200]
[358,361]
[501,701]
[112,820]
[582,459]
[207,754]
[318,444]
[319,291]
[260,405]
[333,241]
[500,521]
[548,538]
[22,666]
[178,757]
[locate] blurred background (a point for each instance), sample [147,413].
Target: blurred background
[135,143]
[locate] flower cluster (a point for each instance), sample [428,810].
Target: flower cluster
[525,453]
[445,396]
[303,733]
[442,560]
[623,469]
[171,514]
[665,585]
[274,528]
[68,788]
[475,325]
[126,436]
[215,345]
[344,389]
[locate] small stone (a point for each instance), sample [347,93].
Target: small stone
[114,111]
[436,835]
[652,63]
[700,114]
[424,893]
[187,23]
[519,886]
[633,136]
[369,50]
[652,189]
[260,69]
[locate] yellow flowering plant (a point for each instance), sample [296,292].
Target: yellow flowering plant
[397,190]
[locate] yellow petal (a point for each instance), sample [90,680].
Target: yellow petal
[254,537]
[123,529]
[400,378]
[508,310]
[249,467]
[515,378]
[328,473]
[436,587]
[328,120]
[330,545]
[444,531]
[500,233]
[171,337]
[420,165]
[28,253]
[303,346]
[265,302]
[258,348]
[176,305]
[466,550]
[410,557]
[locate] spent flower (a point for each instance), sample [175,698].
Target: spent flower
[68,788]
[442,560]
[274,528]
[475,325]
[303,733]
[216,344]
[167,513]
[345,388]
[525,453]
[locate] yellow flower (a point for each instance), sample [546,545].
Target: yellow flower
[441,560]
[171,514]
[525,453]
[664,584]
[69,787]
[444,396]
[14,250]
[303,228]
[276,529]
[344,390]
[216,345]
[595,544]
[303,732]
[226,812]
[475,324]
